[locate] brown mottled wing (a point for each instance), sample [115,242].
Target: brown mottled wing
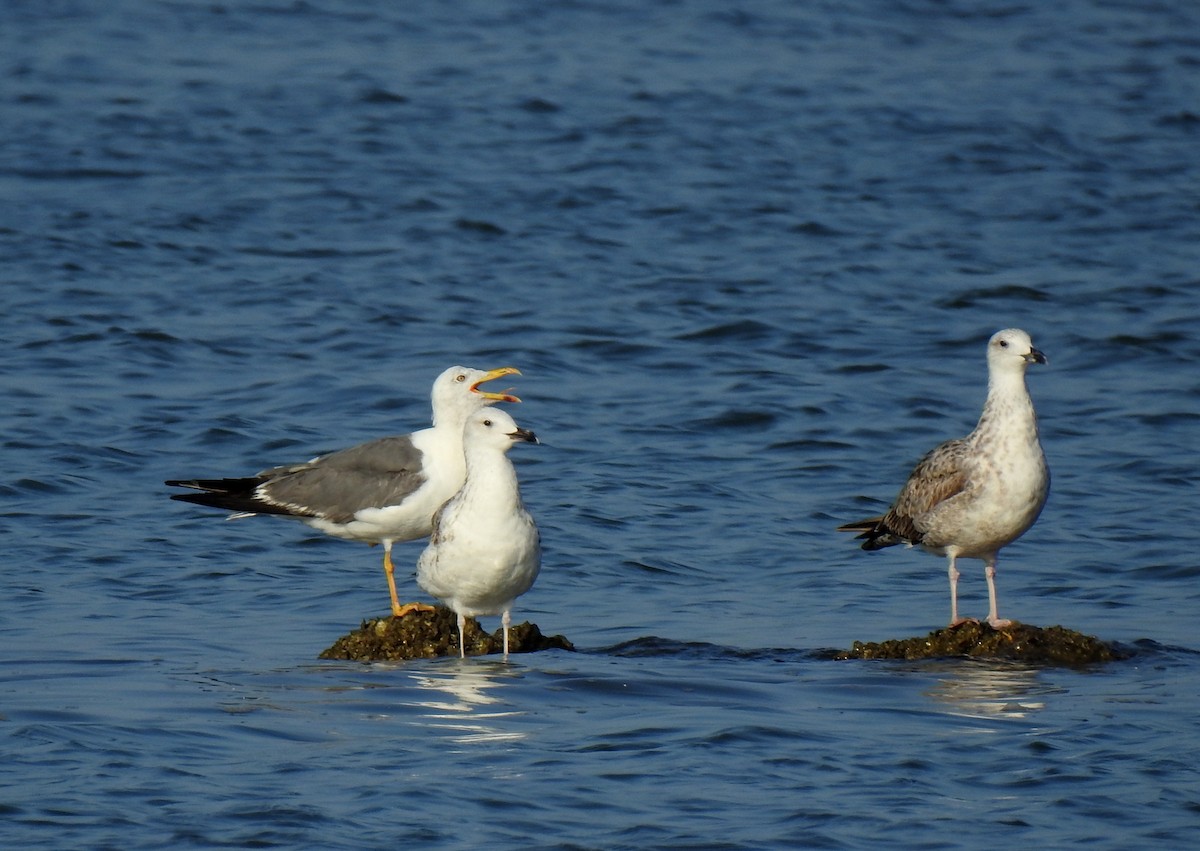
[940,475]
[435,534]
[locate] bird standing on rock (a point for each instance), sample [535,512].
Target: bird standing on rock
[380,492]
[485,550]
[970,497]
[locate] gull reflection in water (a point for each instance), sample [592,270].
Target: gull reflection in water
[988,689]
[460,697]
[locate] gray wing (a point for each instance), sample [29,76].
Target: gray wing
[336,486]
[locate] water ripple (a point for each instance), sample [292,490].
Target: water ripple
[746,260]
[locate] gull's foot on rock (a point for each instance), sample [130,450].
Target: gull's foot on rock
[432,631]
[1054,645]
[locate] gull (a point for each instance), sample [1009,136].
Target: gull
[380,492]
[484,551]
[970,497]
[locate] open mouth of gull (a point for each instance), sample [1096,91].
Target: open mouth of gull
[502,396]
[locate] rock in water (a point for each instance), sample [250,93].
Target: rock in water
[430,634]
[1053,645]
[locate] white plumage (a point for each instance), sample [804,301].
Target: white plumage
[484,551]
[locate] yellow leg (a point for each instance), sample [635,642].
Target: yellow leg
[398,611]
[411,607]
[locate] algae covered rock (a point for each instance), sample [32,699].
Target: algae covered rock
[429,634]
[1055,645]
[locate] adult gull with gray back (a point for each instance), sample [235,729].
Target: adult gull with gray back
[972,496]
[484,551]
[381,491]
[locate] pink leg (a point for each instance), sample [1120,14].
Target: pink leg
[462,645]
[994,619]
[955,620]
[506,619]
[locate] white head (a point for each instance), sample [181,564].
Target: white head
[495,429]
[456,392]
[1011,350]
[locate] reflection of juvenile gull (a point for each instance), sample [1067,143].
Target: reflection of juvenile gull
[382,491]
[970,497]
[987,689]
[484,551]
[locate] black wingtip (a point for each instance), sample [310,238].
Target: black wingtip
[873,532]
[226,494]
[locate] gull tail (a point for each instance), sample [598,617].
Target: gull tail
[873,532]
[237,495]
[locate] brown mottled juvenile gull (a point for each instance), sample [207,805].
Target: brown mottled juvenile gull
[381,491]
[484,551]
[970,497]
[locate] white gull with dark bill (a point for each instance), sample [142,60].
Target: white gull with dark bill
[380,492]
[484,551]
[972,496]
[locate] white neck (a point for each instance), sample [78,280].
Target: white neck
[491,470]
[453,419]
[1007,400]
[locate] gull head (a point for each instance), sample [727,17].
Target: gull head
[496,429]
[1012,349]
[456,392]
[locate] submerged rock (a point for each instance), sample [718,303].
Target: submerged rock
[1053,645]
[427,635]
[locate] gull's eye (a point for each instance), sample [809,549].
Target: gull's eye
[487,423]
[1004,344]
[460,378]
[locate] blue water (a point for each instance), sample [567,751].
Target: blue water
[747,257]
